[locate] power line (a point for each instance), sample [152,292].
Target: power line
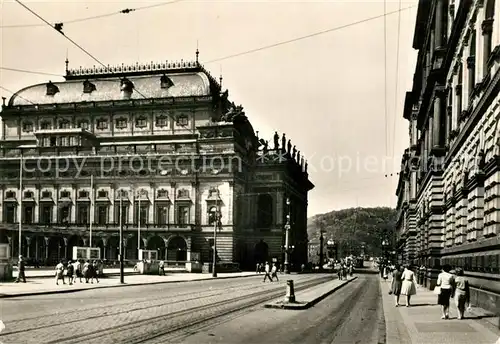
[124,11]
[308,36]
[29,71]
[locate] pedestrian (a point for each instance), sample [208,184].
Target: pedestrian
[446,283]
[274,272]
[408,285]
[21,267]
[396,283]
[77,271]
[60,272]
[267,270]
[161,268]
[86,271]
[95,271]
[70,272]
[462,293]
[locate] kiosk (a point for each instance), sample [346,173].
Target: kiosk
[148,262]
[5,263]
[88,253]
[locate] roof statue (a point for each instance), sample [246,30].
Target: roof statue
[298,157]
[305,167]
[265,149]
[289,147]
[276,140]
[283,142]
[294,152]
[233,112]
[302,163]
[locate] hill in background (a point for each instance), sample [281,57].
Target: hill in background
[351,228]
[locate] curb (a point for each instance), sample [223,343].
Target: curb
[298,306]
[67,291]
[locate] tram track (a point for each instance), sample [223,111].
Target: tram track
[81,313]
[150,328]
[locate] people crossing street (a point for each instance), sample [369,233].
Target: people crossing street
[274,273]
[267,272]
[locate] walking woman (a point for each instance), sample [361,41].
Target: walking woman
[408,285]
[446,283]
[462,292]
[397,283]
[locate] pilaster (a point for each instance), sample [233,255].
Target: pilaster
[475,207]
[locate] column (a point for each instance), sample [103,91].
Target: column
[37,204]
[152,207]
[436,122]
[65,247]
[47,241]
[28,243]
[104,246]
[438,24]
[111,213]
[173,196]
[72,209]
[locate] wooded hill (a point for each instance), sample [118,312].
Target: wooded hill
[351,228]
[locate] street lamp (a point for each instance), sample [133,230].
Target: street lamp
[330,244]
[385,244]
[321,239]
[217,217]
[287,233]
[140,193]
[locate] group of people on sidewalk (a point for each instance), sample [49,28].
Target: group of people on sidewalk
[448,286]
[77,269]
[270,272]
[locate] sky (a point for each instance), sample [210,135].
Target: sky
[336,93]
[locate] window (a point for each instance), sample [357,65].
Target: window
[27,127]
[64,141]
[53,142]
[84,124]
[471,63]
[121,123]
[162,193]
[123,213]
[65,194]
[64,124]
[45,125]
[51,89]
[64,212]
[182,120]
[166,82]
[28,194]
[28,214]
[182,215]
[45,142]
[102,124]
[487,32]
[102,214]
[46,194]
[162,121]
[83,214]
[88,87]
[10,194]
[144,212]
[102,194]
[46,214]
[83,194]
[265,211]
[141,122]
[162,214]
[212,216]
[183,193]
[10,213]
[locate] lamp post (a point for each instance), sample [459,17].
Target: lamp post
[287,234]
[216,222]
[121,238]
[321,240]
[139,195]
[385,245]
[330,244]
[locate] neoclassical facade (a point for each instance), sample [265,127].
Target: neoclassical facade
[156,148]
[449,188]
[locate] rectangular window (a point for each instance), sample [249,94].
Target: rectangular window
[46,214]
[124,214]
[102,124]
[182,120]
[45,142]
[182,215]
[161,121]
[28,214]
[27,127]
[53,142]
[121,123]
[144,217]
[65,194]
[102,194]
[161,215]
[46,125]
[83,124]
[10,213]
[64,124]
[83,214]
[102,214]
[141,122]
[64,213]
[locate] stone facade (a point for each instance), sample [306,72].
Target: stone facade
[159,144]
[449,210]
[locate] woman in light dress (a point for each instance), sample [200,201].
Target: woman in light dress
[462,292]
[396,283]
[446,282]
[408,286]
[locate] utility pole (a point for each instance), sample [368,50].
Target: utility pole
[216,222]
[20,205]
[121,238]
[321,239]
[287,235]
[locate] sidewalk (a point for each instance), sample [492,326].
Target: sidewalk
[46,273]
[38,286]
[421,323]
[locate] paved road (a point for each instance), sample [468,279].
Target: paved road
[133,314]
[350,315]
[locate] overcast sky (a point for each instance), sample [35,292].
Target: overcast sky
[325,92]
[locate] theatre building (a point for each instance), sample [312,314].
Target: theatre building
[157,148]
[449,190]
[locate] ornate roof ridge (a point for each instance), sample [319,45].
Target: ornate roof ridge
[165,66]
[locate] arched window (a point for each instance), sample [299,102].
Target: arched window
[487,27]
[265,211]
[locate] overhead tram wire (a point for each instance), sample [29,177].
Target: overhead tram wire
[79,20]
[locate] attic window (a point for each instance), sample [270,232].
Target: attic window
[10,194]
[45,125]
[141,122]
[27,127]
[166,82]
[181,120]
[52,89]
[88,87]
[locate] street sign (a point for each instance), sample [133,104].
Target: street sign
[86,253]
